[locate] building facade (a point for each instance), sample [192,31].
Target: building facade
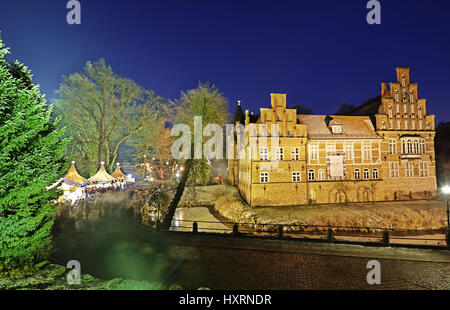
[383,150]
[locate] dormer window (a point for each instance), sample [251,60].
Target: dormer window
[336,129]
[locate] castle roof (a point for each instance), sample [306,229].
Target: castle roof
[353,127]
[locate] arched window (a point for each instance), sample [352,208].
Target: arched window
[310,175]
[403,80]
[422,146]
[357,174]
[321,175]
[396,95]
[375,173]
[366,174]
[409,144]
[403,147]
[411,96]
[390,112]
[416,146]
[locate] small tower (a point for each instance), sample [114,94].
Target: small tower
[233,163]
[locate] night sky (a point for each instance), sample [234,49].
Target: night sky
[321,53]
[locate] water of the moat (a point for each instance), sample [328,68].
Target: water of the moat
[110,242]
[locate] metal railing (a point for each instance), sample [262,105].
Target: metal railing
[437,238]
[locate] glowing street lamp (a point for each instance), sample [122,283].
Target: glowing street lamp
[446,191]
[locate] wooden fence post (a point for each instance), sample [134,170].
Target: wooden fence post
[330,235]
[280,231]
[385,239]
[195,227]
[235,230]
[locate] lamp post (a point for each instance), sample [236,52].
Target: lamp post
[446,191]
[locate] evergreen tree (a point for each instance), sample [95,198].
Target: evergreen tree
[31,158]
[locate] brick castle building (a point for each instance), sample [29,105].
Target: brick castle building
[382,150]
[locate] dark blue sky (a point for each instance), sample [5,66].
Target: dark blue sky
[321,53]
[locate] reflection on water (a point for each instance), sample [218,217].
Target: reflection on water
[109,242]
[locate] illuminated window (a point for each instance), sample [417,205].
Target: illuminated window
[279,154]
[416,146]
[263,153]
[367,152]
[320,175]
[295,153]
[348,149]
[409,146]
[409,173]
[264,177]
[392,147]
[422,146]
[423,169]
[331,148]
[366,174]
[313,152]
[393,169]
[336,129]
[375,173]
[357,174]
[296,177]
[310,175]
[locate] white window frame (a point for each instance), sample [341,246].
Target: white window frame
[349,152]
[279,153]
[321,175]
[263,153]
[313,152]
[296,177]
[311,175]
[423,169]
[393,170]
[375,174]
[392,146]
[330,148]
[295,153]
[409,170]
[367,152]
[366,174]
[357,174]
[264,177]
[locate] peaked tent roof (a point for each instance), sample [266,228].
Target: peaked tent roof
[102,175]
[118,174]
[73,175]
